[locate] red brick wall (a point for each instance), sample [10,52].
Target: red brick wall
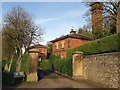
[74,43]
[43,51]
[77,42]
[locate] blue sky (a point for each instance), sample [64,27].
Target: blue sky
[56,18]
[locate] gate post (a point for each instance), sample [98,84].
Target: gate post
[32,76]
[77,65]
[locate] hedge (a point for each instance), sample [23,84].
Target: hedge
[13,65]
[45,64]
[105,44]
[61,65]
[25,61]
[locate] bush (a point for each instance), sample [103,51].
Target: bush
[106,44]
[25,63]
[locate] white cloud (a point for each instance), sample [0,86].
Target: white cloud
[67,15]
[74,13]
[45,20]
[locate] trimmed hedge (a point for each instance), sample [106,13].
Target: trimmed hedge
[13,65]
[25,63]
[45,64]
[61,65]
[105,44]
[48,64]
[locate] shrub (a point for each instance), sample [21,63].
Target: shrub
[106,44]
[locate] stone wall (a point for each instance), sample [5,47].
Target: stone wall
[102,68]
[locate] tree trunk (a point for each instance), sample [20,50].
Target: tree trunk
[18,64]
[6,67]
[118,20]
[9,67]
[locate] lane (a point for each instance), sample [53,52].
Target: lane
[53,80]
[48,74]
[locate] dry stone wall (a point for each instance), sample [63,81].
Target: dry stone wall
[102,68]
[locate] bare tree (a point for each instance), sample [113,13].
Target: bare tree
[23,31]
[110,14]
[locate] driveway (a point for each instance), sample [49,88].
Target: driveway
[52,80]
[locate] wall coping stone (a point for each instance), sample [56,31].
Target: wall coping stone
[77,52]
[33,51]
[101,54]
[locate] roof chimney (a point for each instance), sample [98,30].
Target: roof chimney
[97,9]
[72,30]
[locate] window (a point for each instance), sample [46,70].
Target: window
[62,44]
[56,45]
[69,43]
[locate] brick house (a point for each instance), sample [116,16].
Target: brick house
[62,44]
[42,50]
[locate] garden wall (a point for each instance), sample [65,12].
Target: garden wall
[102,68]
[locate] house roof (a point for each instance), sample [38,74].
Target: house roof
[73,35]
[38,46]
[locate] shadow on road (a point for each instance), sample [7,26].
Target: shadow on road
[43,73]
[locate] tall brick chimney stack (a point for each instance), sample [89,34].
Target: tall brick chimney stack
[97,9]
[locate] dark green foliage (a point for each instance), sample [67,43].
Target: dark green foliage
[97,34]
[101,33]
[13,65]
[45,64]
[25,63]
[85,32]
[64,66]
[61,65]
[7,77]
[105,44]
[4,62]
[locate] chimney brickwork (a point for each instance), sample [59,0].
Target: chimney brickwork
[96,16]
